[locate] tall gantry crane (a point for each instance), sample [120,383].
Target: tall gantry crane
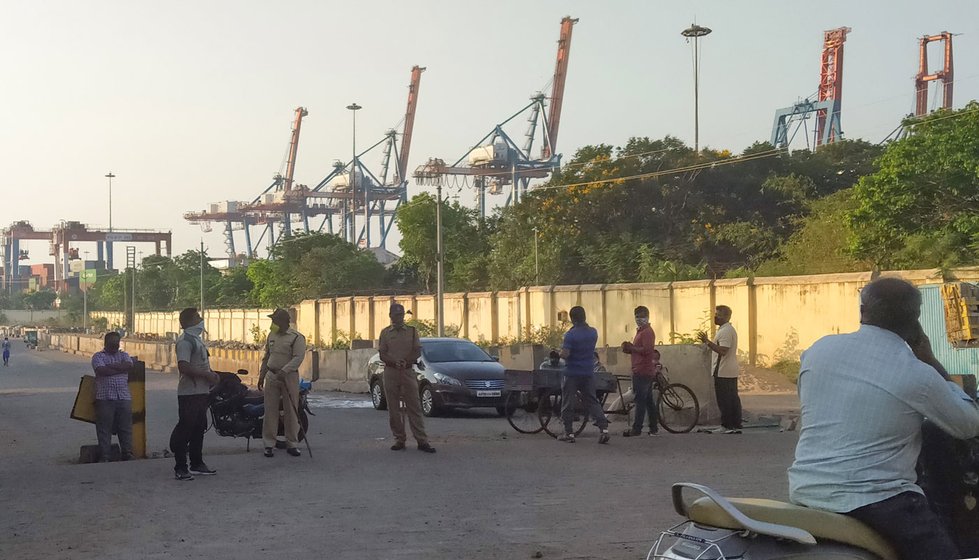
[945,75]
[496,160]
[828,104]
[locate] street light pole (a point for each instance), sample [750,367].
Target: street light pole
[202,278]
[353,176]
[536,260]
[109,175]
[440,271]
[695,32]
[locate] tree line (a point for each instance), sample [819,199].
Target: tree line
[651,210]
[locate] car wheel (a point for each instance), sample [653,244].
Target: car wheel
[429,406]
[377,396]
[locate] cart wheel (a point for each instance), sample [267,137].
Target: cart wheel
[679,409]
[549,412]
[521,412]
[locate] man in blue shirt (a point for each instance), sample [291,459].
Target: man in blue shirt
[864,397]
[578,352]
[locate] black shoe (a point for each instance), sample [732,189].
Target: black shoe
[603,437]
[269,452]
[294,452]
[202,469]
[566,438]
[182,474]
[630,433]
[426,448]
[398,446]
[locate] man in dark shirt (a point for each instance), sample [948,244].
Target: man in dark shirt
[645,363]
[578,352]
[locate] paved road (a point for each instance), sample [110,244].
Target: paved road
[487,493]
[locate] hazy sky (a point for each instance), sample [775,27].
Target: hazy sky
[191,102]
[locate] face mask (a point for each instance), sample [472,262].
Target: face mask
[640,321]
[112,348]
[274,329]
[196,330]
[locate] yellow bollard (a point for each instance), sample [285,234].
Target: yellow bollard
[137,389]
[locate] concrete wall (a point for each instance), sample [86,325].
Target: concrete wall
[28,317]
[776,318]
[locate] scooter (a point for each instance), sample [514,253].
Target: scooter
[237,411]
[719,528]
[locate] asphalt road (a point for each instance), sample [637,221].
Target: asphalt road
[487,493]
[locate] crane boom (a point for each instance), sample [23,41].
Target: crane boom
[294,147]
[557,91]
[416,77]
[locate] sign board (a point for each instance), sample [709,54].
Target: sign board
[76,265]
[87,276]
[118,237]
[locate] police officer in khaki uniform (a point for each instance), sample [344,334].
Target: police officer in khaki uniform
[399,349]
[285,349]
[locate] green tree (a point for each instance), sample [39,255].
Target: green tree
[921,206]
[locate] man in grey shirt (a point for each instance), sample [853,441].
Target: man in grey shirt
[864,397]
[196,380]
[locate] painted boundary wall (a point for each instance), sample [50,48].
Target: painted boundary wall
[776,318]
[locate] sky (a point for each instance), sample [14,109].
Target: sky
[190,103]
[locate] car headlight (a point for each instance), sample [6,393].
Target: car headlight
[446,380]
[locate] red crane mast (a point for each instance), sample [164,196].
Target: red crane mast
[923,77]
[416,77]
[557,88]
[831,80]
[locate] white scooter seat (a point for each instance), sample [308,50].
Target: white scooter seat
[821,524]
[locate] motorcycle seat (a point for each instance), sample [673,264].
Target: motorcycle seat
[821,524]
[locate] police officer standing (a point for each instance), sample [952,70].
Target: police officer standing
[399,349]
[285,349]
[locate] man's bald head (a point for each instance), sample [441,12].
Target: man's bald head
[892,304]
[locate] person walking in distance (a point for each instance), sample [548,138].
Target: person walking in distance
[399,349]
[578,352]
[196,380]
[645,365]
[724,369]
[285,349]
[113,402]
[6,351]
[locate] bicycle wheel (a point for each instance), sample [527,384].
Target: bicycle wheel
[549,412]
[521,412]
[679,409]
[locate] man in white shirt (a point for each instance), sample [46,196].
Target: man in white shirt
[724,369]
[864,397]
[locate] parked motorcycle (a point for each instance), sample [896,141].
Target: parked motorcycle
[718,528]
[237,411]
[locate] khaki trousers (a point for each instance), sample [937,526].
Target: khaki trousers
[281,388]
[402,386]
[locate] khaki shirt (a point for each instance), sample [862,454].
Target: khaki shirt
[399,343]
[284,352]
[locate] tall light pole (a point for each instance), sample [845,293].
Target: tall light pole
[536,259]
[695,32]
[353,177]
[440,259]
[202,278]
[109,176]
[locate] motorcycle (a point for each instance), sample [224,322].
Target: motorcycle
[718,528]
[237,411]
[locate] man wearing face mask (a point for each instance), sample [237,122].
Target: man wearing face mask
[285,349]
[399,348]
[645,363]
[196,380]
[724,369]
[113,403]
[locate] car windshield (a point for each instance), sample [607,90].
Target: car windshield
[454,351]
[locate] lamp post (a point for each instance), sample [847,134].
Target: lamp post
[353,177]
[536,259]
[109,176]
[440,270]
[695,32]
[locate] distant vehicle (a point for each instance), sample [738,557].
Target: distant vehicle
[30,339]
[452,373]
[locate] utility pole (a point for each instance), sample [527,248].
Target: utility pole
[109,175]
[440,272]
[353,177]
[536,259]
[202,278]
[695,32]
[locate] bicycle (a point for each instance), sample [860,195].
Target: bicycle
[678,407]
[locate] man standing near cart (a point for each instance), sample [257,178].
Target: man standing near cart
[645,364]
[578,352]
